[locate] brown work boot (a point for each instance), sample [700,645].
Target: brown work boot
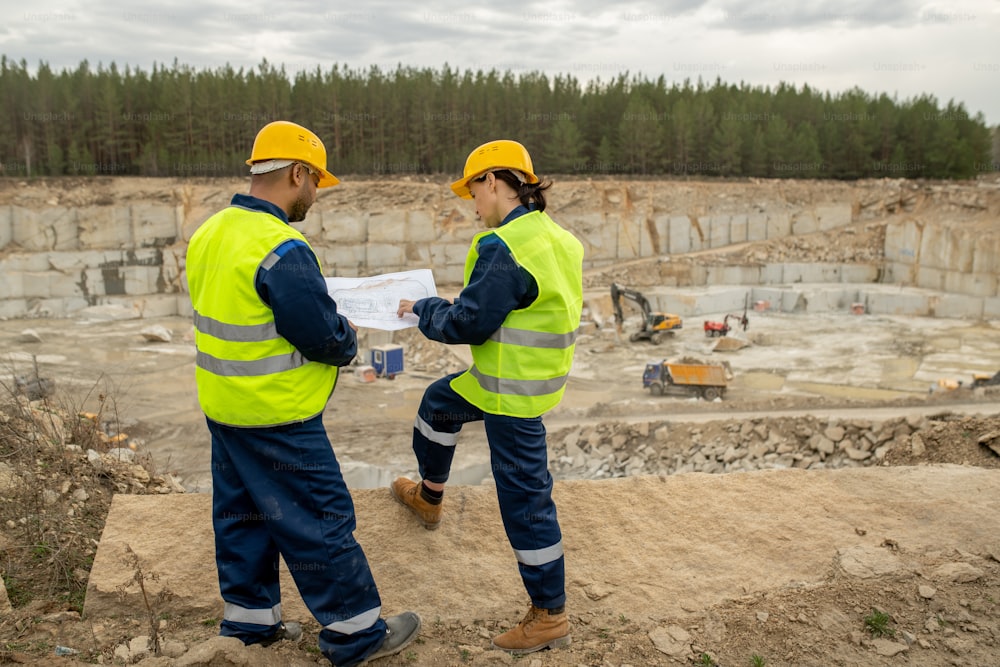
[537,630]
[407,492]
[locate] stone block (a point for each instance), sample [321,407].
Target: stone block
[63,285]
[738,227]
[140,280]
[92,282]
[343,260]
[449,275]
[973,284]
[13,308]
[902,241]
[630,233]
[985,255]
[718,233]
[598,235]
[387,227]
[901,303]
[811,273]
[957,306]
[930,278]
[28,232]
[660,226]
[12,283]
[991,308]
[6,227]
[859,273]
[793,301]
[420,227]
[154,225]
[311,227]
[35,284]
[757,227]
[772,274]
[779,225]
[680,234]
[383,257]
[160,305]
[105,227]
[833,215]
[804,222]
[345,227]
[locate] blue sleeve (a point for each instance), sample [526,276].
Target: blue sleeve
[304,313]
[497,286]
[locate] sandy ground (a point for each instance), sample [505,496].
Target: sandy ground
[791,361]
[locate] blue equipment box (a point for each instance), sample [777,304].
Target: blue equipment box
[387,360]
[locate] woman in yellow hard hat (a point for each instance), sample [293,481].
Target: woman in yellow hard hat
[519,310]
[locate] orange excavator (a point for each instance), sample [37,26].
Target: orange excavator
[655,326]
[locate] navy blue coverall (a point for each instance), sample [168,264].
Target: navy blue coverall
[497,285]
[280,489]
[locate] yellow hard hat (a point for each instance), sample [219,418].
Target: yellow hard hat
[283,140]
[499,154]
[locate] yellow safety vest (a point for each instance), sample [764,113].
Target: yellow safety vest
[521,371]
[247,374]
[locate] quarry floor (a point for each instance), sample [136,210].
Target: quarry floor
[832,361]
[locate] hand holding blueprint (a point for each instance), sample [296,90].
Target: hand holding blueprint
[372,302]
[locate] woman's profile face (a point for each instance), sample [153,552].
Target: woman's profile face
[485,195]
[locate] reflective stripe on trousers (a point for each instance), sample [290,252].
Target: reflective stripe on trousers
[524,486]
[280,490]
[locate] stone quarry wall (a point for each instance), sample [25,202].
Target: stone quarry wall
[68,245]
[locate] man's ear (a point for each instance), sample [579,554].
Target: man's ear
[296,174]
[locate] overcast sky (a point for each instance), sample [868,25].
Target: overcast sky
[947,48]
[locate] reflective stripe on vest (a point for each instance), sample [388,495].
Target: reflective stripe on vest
[522,369]
[247,373]
[539,556]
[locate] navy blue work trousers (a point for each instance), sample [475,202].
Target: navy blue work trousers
[280,490]
[519,460]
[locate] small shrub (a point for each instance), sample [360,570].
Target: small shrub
[877,624]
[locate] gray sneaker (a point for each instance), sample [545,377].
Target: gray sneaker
[400,631]
[290,631]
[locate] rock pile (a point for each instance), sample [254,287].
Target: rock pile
[614,449]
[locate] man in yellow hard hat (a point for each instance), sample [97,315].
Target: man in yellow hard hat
[519,311]
[269,341]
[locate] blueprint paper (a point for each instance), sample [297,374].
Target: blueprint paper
[372,302]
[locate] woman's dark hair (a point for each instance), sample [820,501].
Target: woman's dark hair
[526,192]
